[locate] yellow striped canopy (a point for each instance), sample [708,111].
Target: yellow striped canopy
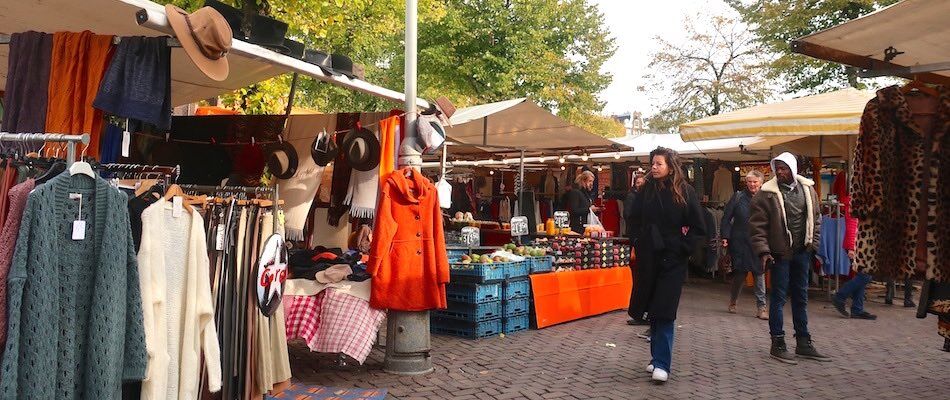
[833,113]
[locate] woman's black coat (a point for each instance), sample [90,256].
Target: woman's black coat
[577,203]
[662,248]
[735,228]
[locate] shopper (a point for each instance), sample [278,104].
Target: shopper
[735,237]
[577,201]
[628,202]
[855,288]
[669,222]
[785,224]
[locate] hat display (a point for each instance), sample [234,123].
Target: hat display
[205,36]
[320,59]
[335,273]
[282,160]
[430,132]
[342,64]
[264,31]
[324,149]
[361,147]
[271,274]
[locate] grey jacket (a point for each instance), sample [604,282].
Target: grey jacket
[769,226]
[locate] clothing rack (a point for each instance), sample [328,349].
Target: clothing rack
[174,172]
[172,42]
[239,189]
[70,140]
[834,211]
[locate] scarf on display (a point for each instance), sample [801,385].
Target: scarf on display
[27,85]
[137,84]
[364,185]
[299,191]
[389,129]
[77,65]
[341,170]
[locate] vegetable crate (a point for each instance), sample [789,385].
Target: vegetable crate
[515,323]
[474,293]
[471,312]
[467,330]
[541,264]
[516,289]
[477,272]
[517,269]
[516,307]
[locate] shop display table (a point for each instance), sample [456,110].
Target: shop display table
[566,296]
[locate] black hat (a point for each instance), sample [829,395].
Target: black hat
[320,59]
[282,160]
[324,150]
[361,147]
[342,64]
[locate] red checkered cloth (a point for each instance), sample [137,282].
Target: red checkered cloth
[334,322]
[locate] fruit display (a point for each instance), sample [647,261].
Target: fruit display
[587,253]
[483,259]
[526,251]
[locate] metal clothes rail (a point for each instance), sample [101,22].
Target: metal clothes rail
[240,189]
[70,140]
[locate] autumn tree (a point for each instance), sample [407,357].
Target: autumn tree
[777,22]
[718,67]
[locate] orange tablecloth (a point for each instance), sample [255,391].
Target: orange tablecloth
[567,296]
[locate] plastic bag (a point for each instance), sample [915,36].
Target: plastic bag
[592,218]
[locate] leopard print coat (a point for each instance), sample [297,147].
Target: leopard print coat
[888,187]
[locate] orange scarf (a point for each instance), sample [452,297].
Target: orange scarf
[388,129]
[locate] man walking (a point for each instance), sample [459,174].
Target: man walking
[785,224]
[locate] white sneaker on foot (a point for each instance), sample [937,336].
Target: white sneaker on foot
[650,368]
[660,375]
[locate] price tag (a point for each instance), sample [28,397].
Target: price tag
[562,219]
[126,143]
[177,206]
[79,230]
[471,236]
[219,238]
[519,226]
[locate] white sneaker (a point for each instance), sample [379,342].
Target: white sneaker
[650,368]
[660,375]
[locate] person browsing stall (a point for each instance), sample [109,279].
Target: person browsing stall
[576,201]
[735,237]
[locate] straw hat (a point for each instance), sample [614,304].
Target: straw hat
[205,36]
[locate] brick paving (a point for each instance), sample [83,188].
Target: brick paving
[717,355]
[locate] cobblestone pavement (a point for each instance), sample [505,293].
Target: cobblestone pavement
[717,355]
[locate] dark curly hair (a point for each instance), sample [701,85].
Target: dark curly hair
[677,178]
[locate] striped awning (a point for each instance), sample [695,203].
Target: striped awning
[833,113]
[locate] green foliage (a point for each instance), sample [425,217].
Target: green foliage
[718,68]
[777,22]
[472,52]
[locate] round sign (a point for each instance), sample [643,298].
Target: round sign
[271,274]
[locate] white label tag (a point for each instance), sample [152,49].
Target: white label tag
[126,143]
[177,207]
[79,230]
[219,238]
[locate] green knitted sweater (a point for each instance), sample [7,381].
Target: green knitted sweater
[75,308]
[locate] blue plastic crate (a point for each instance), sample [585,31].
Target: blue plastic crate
[516,323]
[515,289]
[477,272]
[517,269]
[455,254]
[468,330]
[541,264]
[516,306]
[471,312]
[474,293]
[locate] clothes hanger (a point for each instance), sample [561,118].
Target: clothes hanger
[176,191]
[918,86]
[82,167]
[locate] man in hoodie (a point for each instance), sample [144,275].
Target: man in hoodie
[785,228]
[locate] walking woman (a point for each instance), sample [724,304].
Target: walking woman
[670,220]
[735,237]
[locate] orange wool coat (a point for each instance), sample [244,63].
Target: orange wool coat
[408,260]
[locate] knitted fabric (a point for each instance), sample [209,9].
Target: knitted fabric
[18,196]
[75,309]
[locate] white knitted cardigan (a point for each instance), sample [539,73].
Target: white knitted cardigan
[196,332]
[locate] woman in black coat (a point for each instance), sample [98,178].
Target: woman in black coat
[670,223]
[577,201]
[735,234]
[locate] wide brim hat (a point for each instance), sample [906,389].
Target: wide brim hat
[320,59]
[362,149]
[342,64]
[282,160]
[324,150]
[209,26]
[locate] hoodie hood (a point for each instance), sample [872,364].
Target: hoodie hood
[787,158]
[411,188]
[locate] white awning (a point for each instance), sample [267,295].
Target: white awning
[249,63]
[731,149]
[519,124]
[917,30]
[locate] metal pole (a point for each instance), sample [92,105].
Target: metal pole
[408,341]
[485,130]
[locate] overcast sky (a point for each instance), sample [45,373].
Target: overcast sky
[634,24]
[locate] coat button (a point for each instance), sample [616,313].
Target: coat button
[418,234]
[418,217]
[418,252]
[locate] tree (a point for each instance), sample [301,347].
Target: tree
[719,67]
[777,22]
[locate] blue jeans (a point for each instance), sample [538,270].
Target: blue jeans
[855,290]
[790,279]
[661,343]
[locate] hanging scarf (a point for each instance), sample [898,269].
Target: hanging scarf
[341,170]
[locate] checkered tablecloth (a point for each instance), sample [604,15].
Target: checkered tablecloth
[333,322]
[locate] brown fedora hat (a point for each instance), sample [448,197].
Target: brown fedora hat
[205,36]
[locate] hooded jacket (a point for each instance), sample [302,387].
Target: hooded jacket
[769,223]
[408,260]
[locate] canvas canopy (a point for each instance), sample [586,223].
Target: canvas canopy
[833,113]
[731,149]
[519,124]
[916,30]
[249,63]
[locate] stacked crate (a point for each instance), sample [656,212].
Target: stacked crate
[516,298]
[475,306]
